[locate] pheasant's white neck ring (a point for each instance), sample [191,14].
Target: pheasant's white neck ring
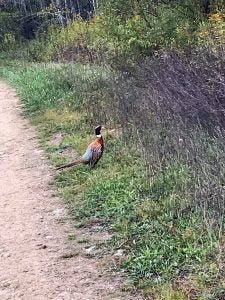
[98,135]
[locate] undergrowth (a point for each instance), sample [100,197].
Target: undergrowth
[170,250]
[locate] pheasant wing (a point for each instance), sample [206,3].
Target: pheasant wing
[96,155]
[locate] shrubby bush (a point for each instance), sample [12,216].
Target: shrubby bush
[124,31]
[9,30]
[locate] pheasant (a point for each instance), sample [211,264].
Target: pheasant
[92,154]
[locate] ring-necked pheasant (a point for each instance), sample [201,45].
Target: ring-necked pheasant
[92,154]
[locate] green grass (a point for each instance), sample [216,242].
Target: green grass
[150,220]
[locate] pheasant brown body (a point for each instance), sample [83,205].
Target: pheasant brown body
[93,152]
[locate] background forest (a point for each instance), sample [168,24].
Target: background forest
[153,71]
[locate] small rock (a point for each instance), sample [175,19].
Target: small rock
[119,253]
[25,270]
[41,246]
[5,284]
[6,255]
[53,250]
[90,249]
[21,294]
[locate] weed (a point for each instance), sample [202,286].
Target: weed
[85,240]
[71,237]
[69,255]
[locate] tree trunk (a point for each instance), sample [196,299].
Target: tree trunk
[59,12]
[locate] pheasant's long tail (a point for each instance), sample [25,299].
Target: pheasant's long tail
[74,163]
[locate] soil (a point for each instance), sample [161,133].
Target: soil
[37,259]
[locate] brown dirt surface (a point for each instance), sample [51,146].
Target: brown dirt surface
[37,260]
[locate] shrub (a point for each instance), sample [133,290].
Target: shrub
[9,30]
[176,111]
[120,34]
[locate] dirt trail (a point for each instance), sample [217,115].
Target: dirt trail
[32,240]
